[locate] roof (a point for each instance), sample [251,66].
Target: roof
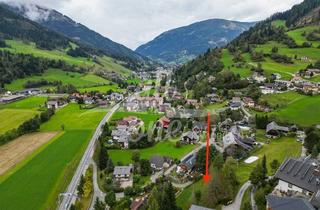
[195,207]
[288,203]
[189,161]
[158,161]
[274,126]
[122,170]
[301,172]
[190,135]
[52,102]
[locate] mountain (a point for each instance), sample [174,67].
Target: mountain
[185,43]
[282,44]
[60,23]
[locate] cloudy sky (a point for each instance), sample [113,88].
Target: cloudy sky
[134,22]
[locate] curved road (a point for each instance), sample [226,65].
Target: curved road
[236,205]
[70,195]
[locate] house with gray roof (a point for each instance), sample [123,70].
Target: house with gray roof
[122,173]
[187,164]
[300,177]
[288,203]
[274,130]
[190,137]
[159,162]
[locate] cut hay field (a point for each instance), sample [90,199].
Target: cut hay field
[51,75]
[19,149]
[13,118]
[297,34]
[163,148]
[102,89]
[36,184]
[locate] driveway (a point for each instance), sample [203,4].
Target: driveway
[236,205]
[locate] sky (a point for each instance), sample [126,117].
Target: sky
[135,22]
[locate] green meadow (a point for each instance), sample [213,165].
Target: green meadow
[226,59]
[30,48]
[33,102]
[102,89]
[13,118]
[36,184]
[299,38]
[51,75]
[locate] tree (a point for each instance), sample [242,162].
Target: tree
[110,198]
[135,156]
[110,165]
[311,140]
[145,167]
[218,161]
[80,186]
[274,165]
[99,205]
[103,158]
[315,151]
[264,166]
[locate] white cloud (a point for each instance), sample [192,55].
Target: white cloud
[134,22]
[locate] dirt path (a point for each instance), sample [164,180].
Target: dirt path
[17,150]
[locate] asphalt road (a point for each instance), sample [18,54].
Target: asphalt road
[236,205]
[70,195]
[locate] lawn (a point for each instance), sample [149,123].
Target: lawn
[278,149]
[33,102]
[51,75]
[13,118]
[148,118]
[36,184]
[279,23]
[74,118]
[163,148]
[146,93]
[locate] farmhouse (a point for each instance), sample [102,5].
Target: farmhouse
[158,163]
[299,177]
[122,173]
[273,130]
[139,203]
[198,127]
[190,137]
[259,78]
[248,102]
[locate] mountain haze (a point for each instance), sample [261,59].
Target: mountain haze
[185,43]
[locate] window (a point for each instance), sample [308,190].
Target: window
[290,185]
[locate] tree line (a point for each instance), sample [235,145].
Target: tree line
[28,126]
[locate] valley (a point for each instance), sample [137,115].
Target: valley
[217,114]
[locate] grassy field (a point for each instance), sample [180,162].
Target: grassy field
[297,34]
[51,75]
[32,102]
[282,99]
[278,149]
[13,118]
[36,184]
[164,148]
[148,118]
[244,72]
[74,119]
[279,23]
[30,48]
[102,89]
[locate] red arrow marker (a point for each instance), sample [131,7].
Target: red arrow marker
[206,177]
